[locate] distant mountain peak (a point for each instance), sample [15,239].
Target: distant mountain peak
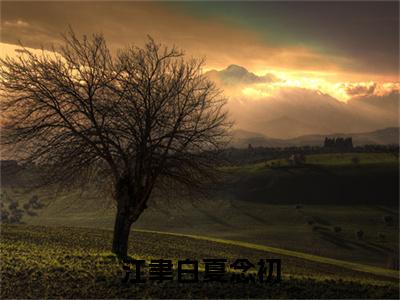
[235,74]
[236,68]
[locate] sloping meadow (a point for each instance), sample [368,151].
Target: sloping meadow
[53,262]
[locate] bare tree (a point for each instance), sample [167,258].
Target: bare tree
[139,119]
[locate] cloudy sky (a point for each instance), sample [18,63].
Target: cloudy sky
[345,50]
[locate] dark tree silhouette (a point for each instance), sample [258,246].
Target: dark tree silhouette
[339,143]
[140,120]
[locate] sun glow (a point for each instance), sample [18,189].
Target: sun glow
[324,82]
[287,80]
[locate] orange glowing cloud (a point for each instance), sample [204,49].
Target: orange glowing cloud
[220,41]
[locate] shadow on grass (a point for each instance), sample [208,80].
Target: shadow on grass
[349,244]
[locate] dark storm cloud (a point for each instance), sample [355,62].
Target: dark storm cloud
[359,37]
[125,23]
[365,31]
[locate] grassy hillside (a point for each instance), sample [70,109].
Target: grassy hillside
[55,262]
[347,159]
[326,160]
[271,205]
[283,226]
[323,179]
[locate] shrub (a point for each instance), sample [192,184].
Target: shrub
[35,203]
[359,234]
[14,215]
[31,213]
[14,218]
[355,160]
[319,228]
[13,205]
[337,229]
[392,262]
[388,220]
[4,215]
[34,199]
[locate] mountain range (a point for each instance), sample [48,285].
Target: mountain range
[387,136]
[289,112]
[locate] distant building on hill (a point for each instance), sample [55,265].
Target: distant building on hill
[297,159]
[338,143]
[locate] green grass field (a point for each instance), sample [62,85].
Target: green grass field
[269,209]
[347,159]
[59,262]
[281,226]
[328,159]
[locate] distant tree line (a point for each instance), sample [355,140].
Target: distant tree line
[254,154]
[338,143]
[259,154]
[12,214]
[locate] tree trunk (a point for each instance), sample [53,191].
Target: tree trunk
[127,212]
[122,229]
